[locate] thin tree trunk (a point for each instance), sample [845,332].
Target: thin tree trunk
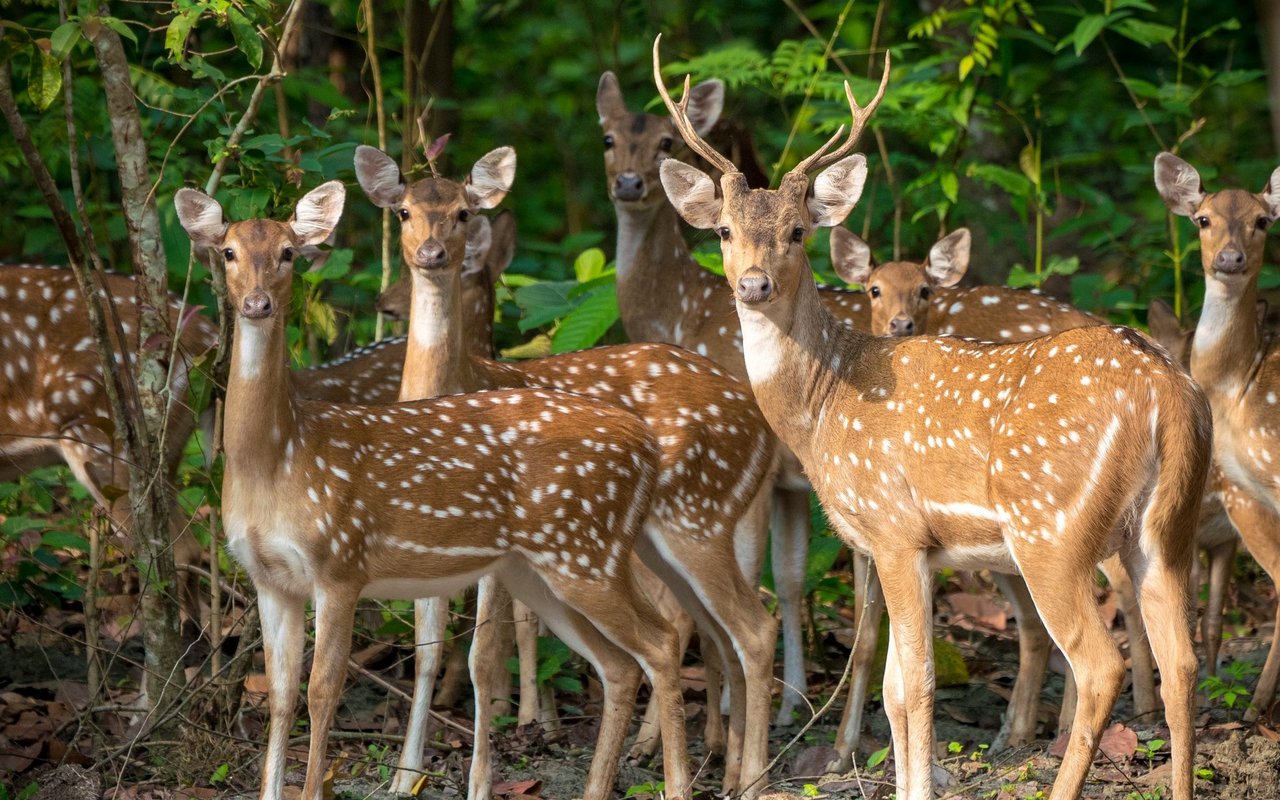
[1269,32]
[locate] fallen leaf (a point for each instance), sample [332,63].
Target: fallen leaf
[15,758]
[1160,776]
[1118,743]
[529,788]
[969,610]
[257,683]
[1268,734]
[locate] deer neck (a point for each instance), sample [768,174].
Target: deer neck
[435,361]
[654,271]
[795,358]
[1227,341]
[259,418]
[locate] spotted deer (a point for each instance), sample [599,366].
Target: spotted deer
[332,502]
[1234,360]
[715,446]
[1040,458]
[665,296]
[53,404]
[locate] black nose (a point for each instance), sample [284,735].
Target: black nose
[257,305]
[628,186]
[1229,260]
[430,255]
[902,326]
[754,286]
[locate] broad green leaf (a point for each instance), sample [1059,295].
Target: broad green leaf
[950,186]
[1012,182]
[589,264]
[877,758]
[175,36]
[1145,33]
[116,24]
[1027,163]
[1238,77]
[19,524]
[246,37]
[64,539]
[544,302]
[46,78]
[64,38]
[320,315]
[966,66]
[1086,31]
[584,326]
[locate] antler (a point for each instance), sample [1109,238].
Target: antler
[861,116]
[680,116]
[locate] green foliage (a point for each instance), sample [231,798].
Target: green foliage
[877,758]
[1230,685]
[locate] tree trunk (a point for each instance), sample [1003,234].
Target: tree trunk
[1269,31]
[428,73]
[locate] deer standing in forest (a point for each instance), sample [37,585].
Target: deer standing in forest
[1236,362]
[328,502]
[716,448]
[929,452]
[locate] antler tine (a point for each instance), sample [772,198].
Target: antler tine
[679,115]
[861,116]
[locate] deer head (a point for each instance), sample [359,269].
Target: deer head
[259,254]
[636,144]
[1233,223]
[899,292]
[434,212]
[762,231]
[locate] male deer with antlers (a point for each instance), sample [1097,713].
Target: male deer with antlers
[1236,362]
[715,445]
[927,452]
[332,502]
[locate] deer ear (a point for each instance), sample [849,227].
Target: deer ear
[851,256]
[201,217]
[491,178]
[1271,195]
[949,258]
[503,248]
[379,176]
[692,192]
[609,102]
[706,101]
[836,190]
[1162,322]
[394,300]
[479,238]
[1179,184]
[318,212]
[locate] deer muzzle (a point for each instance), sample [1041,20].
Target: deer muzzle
[902,326]
[754,286]
[628,187]
[431,254]
[256,305]
[1229,261]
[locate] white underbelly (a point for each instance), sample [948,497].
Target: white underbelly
[415,588]
[994,556]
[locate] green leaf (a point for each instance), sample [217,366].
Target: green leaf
[64,539]
[1145,33]
[823,552]
[175,36]
[584,326]
[46,78]
[589,264]
[950,186]
[877,758]
[246,37]
[1086,31]
[19,524]
[544,302]
[64,38]
[116,24]
[966,66]
[1012,182]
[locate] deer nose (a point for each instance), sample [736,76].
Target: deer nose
[256,305]
[902,326]
[430,255]
[1229,260]
[754,286]
[628,186]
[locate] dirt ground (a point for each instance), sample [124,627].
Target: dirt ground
[42,692]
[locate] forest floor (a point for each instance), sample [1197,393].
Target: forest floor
[43,694]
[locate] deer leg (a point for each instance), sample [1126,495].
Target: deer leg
[1067,712]
[648,737]
[526,625]
[868,610]
[483,664]
[1257,526]
[1019,726]
[1163,584]
[504,649]
[789,556]
[909,678]
[335,615]
[1144,680]
[283,638]
[430,618]
[1221,559]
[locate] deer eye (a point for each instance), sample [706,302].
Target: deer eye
[797,234]
[287,255]
[608,141]
[666,144]
[1203,222]
[229,254]
[723,230]
[403,213]
[464,215]
[924,292]
[1263,222]
[874,291]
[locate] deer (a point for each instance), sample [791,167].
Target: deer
[665,296]
[1234,360]
[329,502]
[53,405]
[928,451]
[716,449]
